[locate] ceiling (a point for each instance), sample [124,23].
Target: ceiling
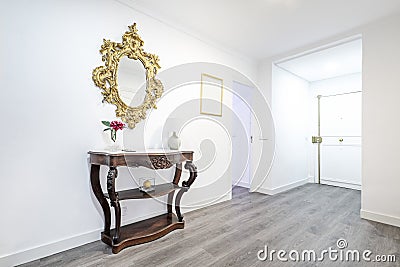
[327,63]
[264,28]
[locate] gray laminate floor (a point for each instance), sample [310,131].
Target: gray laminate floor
[231,233]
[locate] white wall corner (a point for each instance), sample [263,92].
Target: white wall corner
[283,188]
[378,217]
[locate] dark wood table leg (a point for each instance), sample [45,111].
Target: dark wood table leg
[98,192]
[112,175]
[117,209]
[169,203]
[186,184]
[178,204]
[177,177]
[178,173]
[193,174]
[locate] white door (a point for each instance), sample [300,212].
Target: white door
[340,125]
[241,135]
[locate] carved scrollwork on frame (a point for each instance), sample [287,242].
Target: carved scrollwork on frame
[111,176]
[105,77]
[160,162]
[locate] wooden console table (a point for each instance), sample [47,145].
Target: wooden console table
[150,229]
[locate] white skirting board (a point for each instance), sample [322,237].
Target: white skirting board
[242,184]
[280,189]
[339,183]
[382,218]
[205,203]
[49,249]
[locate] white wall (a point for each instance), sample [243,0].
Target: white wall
[380,143]
[380,195]
[51,113]
[290,109]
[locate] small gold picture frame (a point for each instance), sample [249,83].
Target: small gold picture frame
[211,93]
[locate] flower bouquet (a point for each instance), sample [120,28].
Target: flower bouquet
[113,126]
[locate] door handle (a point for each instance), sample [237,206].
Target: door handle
[340,140]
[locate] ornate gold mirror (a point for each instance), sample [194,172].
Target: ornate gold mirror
[127,78]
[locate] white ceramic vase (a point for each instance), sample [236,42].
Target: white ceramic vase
[174,142]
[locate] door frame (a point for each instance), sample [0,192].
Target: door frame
[250,156]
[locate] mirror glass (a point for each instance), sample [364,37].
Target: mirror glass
[131,79]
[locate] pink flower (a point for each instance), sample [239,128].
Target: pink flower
[117,125]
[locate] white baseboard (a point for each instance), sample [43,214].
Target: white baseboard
[205,203]
[378,217]
[340,183]
[45,250]
[280,189]
[49,249]
[242,184]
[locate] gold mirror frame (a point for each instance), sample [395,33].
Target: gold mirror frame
[105,76]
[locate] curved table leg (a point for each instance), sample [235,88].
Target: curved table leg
[98,192]
[169,203]
[178,203]
[186,184]
[117,209]
[111,176]
[193,174]
[177,177]
[178,172]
